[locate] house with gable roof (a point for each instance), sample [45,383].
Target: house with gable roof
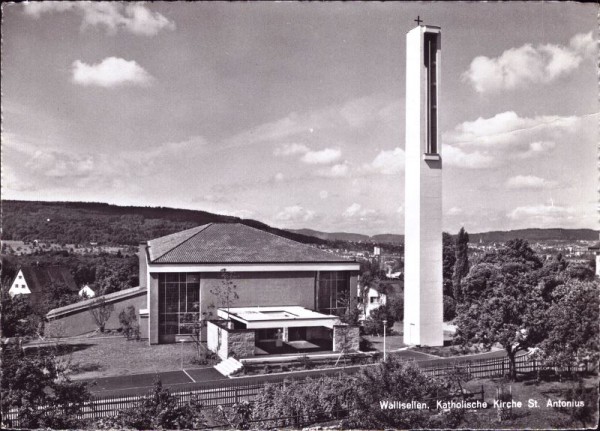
[34,280]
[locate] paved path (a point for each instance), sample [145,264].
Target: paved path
[142,383]
[137,384]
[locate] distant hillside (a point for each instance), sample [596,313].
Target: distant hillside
[530,235]
[333,236]
[82,222]
[356,237]
[536,235]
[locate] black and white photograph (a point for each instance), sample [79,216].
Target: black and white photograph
[300,215]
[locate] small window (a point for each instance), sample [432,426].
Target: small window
[20,276]
[374,300]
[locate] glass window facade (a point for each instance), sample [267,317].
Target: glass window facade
[333,293]
[178,302]
[431,64]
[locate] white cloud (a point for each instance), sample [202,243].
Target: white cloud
[536,148]
[505,128]
[529,182]
[454,211]
[585,44]
[352,210]
[494,141]
[56,164]
[295,213]
[110,72]
[134,18]
[322,157]
[387,162]
[356,210]
[290,149]
[518,67]
[543,215]
[453,156]
[340,170]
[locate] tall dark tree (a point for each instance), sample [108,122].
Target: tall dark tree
[449,259]
[502,302]
[461,265]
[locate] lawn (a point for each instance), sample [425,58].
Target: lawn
[115,356]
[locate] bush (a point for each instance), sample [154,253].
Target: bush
[306,363]
[129,323]
[374,323]
[159,410]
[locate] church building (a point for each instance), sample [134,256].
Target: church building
[282,286]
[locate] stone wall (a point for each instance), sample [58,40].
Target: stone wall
[241,343]
[346,335]
[223,341]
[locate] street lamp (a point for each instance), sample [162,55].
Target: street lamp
[384,328]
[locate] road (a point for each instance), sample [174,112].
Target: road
[137,384]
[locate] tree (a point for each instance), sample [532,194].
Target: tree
[100,311]
[572,322]
[225,292]
[129,323]
[395,380]
[38,389]
[18,317]
[503,302]
[57,294]
[395,306]
[449,259]
[196,322]
[374,323]
[461,265]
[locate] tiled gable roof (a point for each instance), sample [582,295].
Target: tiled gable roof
[233,243]
[38,278]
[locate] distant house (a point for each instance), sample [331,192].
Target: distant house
[34,280]
[86,292]
[374,300]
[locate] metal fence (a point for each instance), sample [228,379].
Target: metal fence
[214,394]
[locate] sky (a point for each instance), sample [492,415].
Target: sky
[293,113]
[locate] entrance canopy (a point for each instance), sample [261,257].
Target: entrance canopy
[285,316]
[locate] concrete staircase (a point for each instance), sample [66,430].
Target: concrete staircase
[229,366]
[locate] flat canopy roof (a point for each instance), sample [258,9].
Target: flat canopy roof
[285,316]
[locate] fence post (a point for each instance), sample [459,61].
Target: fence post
[235,396]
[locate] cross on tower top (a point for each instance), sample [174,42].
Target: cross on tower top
[418,20]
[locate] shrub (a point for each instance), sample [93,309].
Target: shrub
[374,323]
[159,410]
[129,323]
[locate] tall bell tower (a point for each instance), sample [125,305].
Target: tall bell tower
[423,265]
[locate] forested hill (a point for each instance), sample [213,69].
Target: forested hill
[532,235]
[83,222]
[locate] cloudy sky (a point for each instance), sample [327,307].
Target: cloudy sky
[293,114]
